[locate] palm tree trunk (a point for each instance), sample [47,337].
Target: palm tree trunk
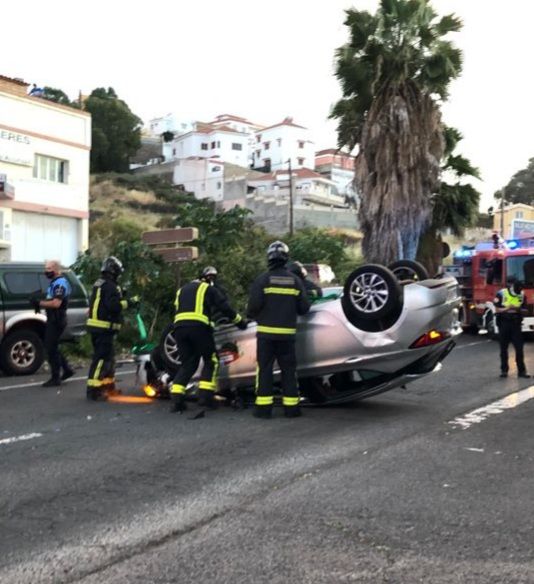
[397,172]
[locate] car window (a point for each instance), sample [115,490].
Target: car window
[22,282]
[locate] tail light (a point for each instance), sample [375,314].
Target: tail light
[430,338]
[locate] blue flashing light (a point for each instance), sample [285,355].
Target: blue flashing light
[463,253]
[512,244]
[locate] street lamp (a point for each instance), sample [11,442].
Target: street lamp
[290,199]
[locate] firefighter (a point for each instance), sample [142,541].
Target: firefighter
[276,298]
[510,305]
[196,303]
[105,319]
[311,287]
[55,304]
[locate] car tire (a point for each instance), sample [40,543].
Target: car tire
[22,352]
[167,351]
[372,297]
[409,270]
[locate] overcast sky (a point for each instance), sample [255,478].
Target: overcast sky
[269,59]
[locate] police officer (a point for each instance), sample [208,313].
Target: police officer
[196,304]
[510,305]
[55,304]
[105,319]
[311,287]
[276,298]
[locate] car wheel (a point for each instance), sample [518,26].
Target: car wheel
[372,294]
[168,351]
[409,270]
[22,352]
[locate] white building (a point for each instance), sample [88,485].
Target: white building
[309,187]
[44,166]
[202,176]
[339,167]
[277,144]
[169,123]
[206,141]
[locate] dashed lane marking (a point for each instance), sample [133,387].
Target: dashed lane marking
[497,407]
[21,438]
[475,343]
[37,383]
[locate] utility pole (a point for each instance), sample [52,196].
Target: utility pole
[290,200]
[502,215]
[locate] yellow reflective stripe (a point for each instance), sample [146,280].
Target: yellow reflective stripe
[124,304]
[191,316]
[207,385]
[276,330]
[94,383]
[510,300]
[238,318]
[264,400]
[201,293]
[177,300]
[98,369]
[257,382]
[103,324]
[96,303]
[177,388]
[215,360]
[290,401]
[286,291]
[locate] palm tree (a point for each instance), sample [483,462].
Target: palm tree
[455,206]
[394,71]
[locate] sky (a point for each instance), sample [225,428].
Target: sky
[266,60]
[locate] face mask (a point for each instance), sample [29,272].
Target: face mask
[49,275]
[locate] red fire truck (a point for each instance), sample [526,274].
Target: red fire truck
[482,271]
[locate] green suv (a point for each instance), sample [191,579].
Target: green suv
[22,330]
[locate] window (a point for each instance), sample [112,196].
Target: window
[258,153]
[519,214]
[301,144]
[300,161]
[204,146]
[522,268]
[25,282]
[219,185]
[279,141]
[266,145]
[267,164]
[174,151]
[237,146]
[213,145]
[258,138]
[51,169]
[218,144]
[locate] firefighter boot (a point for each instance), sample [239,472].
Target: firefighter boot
[177,403]
[206,399]
[292,411]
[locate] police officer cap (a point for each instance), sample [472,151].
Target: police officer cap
[511,280]
[209,272]
[277,253]
[112,265]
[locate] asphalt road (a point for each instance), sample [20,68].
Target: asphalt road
[386,490]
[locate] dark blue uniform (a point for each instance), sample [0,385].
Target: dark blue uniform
[56,321]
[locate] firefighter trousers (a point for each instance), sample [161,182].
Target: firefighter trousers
[510,332]
[195,343]
[283,352]
[102,369]
[56,360]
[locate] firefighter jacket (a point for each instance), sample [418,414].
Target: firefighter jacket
[106,306]
[276,298]
[197,302]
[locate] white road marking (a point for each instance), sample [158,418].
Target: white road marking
[473,344]
[497,407]
[475,449]
[13,439]
[37,383]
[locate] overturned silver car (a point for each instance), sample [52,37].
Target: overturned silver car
[383,329]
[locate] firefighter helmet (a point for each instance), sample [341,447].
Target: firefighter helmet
[112,266]
[277,254]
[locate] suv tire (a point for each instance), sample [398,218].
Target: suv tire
[21,352]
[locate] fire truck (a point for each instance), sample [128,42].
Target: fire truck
[482,270]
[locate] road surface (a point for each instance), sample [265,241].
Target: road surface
[407,487]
